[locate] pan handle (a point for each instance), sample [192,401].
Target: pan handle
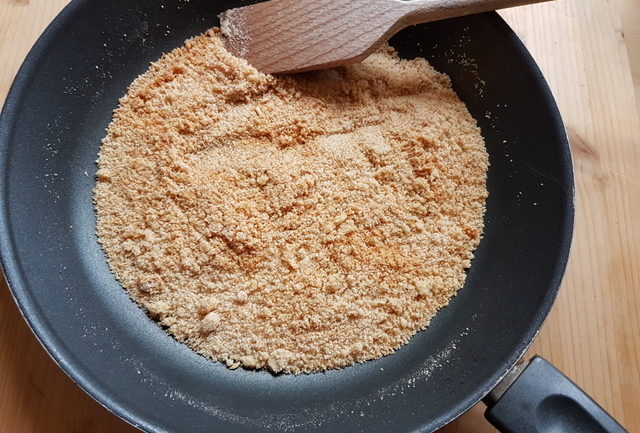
[537,398]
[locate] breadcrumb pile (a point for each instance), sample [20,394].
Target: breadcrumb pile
[294,223]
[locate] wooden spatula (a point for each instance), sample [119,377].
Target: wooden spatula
[284,36]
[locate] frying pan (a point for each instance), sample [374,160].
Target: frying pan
[50,132]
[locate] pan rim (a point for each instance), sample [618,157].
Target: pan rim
[13,273]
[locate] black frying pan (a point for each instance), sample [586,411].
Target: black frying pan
[50,131]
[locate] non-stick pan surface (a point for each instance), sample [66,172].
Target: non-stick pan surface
[50,132]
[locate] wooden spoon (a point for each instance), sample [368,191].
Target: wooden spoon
[284,36]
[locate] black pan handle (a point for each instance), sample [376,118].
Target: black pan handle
[537,398]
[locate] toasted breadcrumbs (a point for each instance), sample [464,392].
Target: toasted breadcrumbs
[295,223]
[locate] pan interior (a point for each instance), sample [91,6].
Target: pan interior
[50,133]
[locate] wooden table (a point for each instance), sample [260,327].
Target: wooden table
[589,51]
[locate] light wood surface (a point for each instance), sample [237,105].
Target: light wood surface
[284,36]
[589,51]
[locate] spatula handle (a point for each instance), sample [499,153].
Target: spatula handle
[422,11]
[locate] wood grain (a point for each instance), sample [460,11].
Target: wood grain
[284,36]
[589,51]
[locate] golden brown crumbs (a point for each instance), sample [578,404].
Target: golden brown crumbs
[294,223]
